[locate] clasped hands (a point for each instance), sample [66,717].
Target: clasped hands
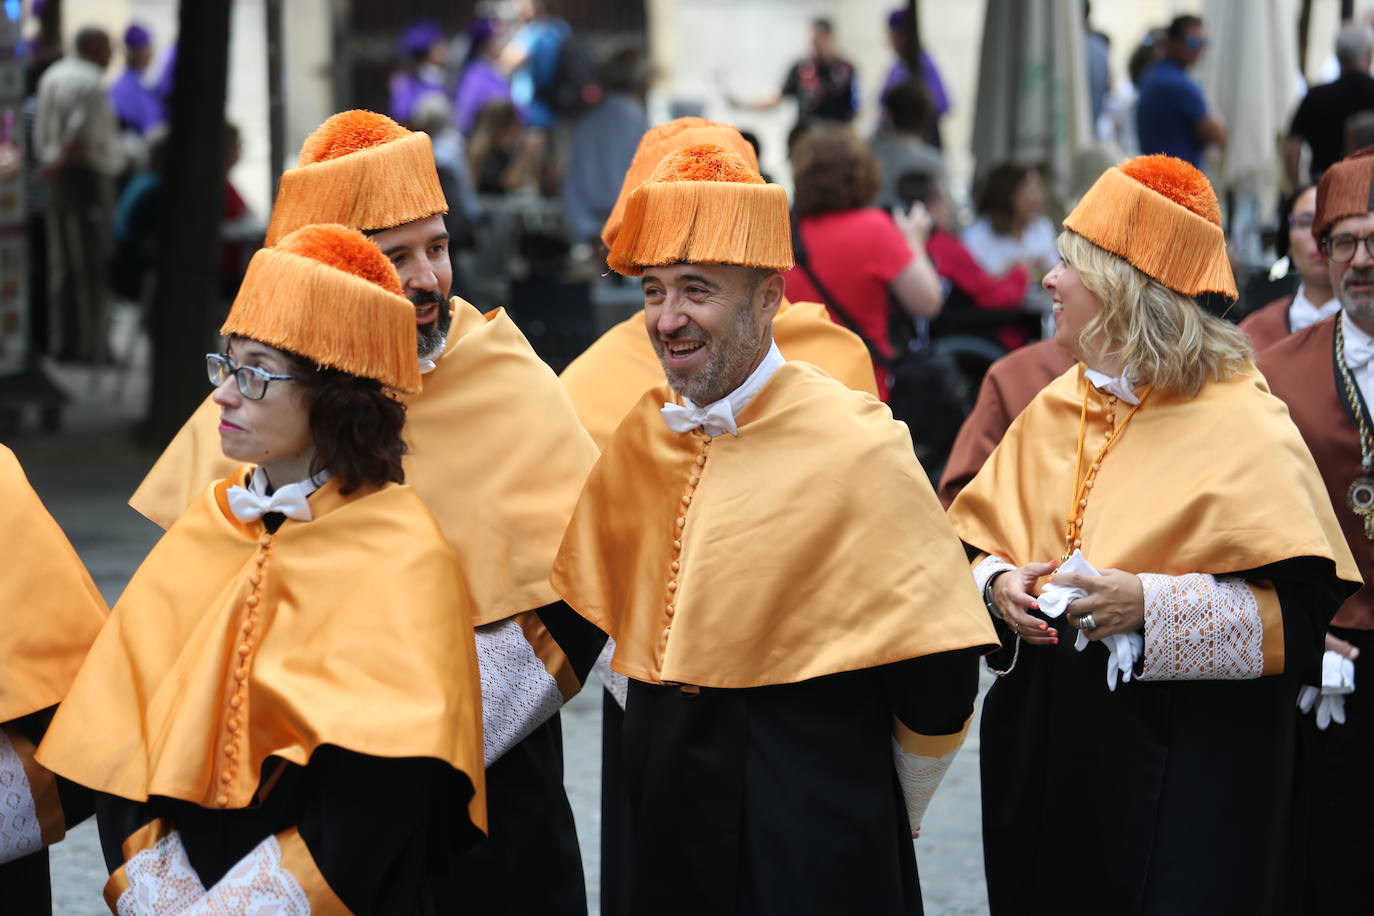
[1115,599]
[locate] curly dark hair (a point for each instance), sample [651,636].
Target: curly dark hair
[355,424]
[833,171]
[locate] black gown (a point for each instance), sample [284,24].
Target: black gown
[782,799]
[1162,798]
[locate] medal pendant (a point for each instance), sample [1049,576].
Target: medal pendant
[1360,497]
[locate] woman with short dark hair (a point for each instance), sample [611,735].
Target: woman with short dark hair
[284,708]
[852,256]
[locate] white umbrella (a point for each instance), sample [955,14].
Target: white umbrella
[1033,89]
[1248,75]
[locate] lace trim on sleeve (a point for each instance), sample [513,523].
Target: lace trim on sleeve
[919,778]
[518,693]
[988,567]
[160,881]
[1199,627]
[20,830]
[258,883]
[617,684]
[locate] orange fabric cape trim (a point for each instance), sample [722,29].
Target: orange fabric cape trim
[52,609]
[1218,483]
[610,375]
[497,453]
[813,544]
[355,643]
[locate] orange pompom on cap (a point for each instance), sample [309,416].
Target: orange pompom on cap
[704,204]
[327,293]
[359,169]
[1161,215]
[661,140]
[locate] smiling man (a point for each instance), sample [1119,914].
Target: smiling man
[782,587]
[1325,373]
[498,455]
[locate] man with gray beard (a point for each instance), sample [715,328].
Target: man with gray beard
[789,603]
[1326,375]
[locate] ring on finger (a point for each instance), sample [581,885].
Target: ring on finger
[1086,622]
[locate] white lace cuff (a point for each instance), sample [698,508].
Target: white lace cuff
[921,762]
[1199,627]
[617,684]
[259,884]
[20,830]
[159,881]
[518,692]
[988,567]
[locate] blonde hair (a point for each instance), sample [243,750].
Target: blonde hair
[1163,336]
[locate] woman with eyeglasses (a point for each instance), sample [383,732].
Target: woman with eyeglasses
[283,711]
[1159,556]
[1314,299]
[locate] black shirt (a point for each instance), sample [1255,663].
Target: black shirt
[824,90]
[1320,119]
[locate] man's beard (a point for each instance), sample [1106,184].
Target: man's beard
[732,352]
[1358,305]
[430,338]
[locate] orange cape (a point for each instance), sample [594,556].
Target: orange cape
[810,544]
[1218,483]
[611,374]
[352,641]
[52,608]
[497,453]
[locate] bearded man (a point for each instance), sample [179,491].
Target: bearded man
[801,642]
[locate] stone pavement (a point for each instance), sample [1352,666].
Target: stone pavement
[86,472]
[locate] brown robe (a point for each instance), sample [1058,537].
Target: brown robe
[1010,384]
[1301,370]
[1268,325]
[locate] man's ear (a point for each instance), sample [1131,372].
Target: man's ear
[771,288]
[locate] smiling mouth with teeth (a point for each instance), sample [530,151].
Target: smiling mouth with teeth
[682,348]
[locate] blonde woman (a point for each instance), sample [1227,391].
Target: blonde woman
[1155,547]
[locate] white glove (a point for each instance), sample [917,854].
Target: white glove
[1338,679]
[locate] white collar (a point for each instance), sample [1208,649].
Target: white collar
[1120,386]
[1359,346]
[1303,312]
[719,416]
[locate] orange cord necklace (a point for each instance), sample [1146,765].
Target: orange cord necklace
[1083,483]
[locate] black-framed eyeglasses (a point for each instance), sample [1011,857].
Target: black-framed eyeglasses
[1342,248]
[251,380]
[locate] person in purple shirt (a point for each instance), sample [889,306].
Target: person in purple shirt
[480,80]
[137,107]
[1172,116]
[423,55]
[900,73]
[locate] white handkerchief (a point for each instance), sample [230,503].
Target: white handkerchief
[1338,674]
[1123,649]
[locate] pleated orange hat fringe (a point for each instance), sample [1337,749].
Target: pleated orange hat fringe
[328,294]
[1345,190]
[1161,215]
[662,139]
[704,204]
[359,169]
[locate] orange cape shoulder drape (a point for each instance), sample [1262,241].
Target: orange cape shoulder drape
[808,545]
[356,636]
[606,381]
[1218,483]
[52,610]
[497,453]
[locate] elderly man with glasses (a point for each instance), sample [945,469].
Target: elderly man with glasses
[1326,375]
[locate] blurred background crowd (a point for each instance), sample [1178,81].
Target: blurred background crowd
[140,143]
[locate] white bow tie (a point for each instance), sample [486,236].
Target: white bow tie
[290,501]
[1358,353]
[716,419]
